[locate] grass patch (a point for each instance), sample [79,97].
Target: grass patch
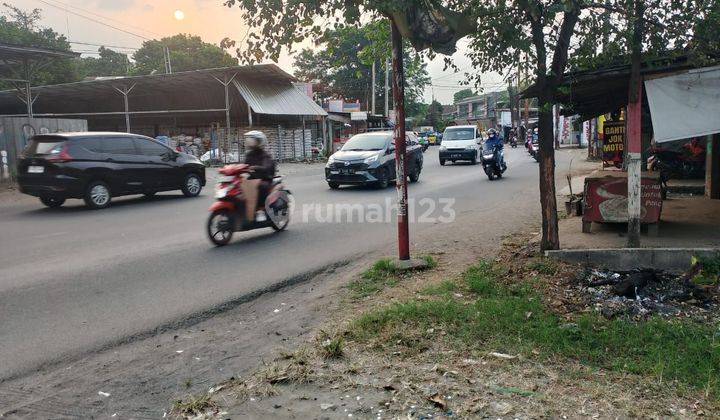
[194,406]
[512,319]
[330,347]
[442,289]
[374,279]
[382,274]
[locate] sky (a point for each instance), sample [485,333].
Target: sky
[138,20]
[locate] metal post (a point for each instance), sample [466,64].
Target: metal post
[401,170]
[634,146]
[372,106]
[250,120]
[712,167]
[227,106]
[125,91]
[303,137]
[387,90]
[28,91]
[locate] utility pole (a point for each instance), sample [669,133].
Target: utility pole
[634,146]
[168,64]
[372,109]
[387,90]
[401,178]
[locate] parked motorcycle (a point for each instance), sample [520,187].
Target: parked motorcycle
[227,214]
[491,162]
[534,150]
[672,164]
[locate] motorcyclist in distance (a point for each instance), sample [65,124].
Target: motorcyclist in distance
[494,141]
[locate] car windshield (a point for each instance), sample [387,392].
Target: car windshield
[366,142]
[459,134]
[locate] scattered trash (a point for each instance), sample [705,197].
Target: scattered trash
[502,355]
[103,394]
[326,406]
[641,294]
[276,310]
[179,351]
[437,400]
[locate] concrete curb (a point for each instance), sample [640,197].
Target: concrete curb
[623,259]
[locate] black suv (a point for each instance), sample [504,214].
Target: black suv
[369,158]
[98,166]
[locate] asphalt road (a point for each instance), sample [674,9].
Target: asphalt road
[74,280]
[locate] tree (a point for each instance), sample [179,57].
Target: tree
[110,63]
[434,115]
[187,52]
[20,27]
[463,94]
[342,66]
[501,33]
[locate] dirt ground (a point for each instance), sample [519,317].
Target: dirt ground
[372,381]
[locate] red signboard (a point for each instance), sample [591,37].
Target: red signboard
[606,200]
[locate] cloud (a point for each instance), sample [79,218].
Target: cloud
[148,8]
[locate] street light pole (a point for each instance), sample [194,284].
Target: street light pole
[398,85]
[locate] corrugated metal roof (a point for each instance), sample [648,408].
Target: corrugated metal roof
[277,99]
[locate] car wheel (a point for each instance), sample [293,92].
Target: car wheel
[52,202]
[473,161]
[384,180]
[333,185]
[192,185]
[220,227]
[97,195]
[442,162]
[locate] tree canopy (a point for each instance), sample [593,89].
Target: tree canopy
[109,63]
[20,27]
[187,52]
[463,94]
[341,66]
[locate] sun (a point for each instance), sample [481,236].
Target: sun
[179,15]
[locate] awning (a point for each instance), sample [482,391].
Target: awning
[278,99]
[685,105]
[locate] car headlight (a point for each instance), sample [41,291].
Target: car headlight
[330,161]
[443,148]
[371,159]
[469,147]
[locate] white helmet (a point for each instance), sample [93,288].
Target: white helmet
[255,139]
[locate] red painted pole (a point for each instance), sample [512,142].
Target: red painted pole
[634,143]
[398,87]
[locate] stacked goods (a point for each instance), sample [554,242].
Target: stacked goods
[283,143]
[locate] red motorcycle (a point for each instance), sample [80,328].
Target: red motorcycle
[227,214]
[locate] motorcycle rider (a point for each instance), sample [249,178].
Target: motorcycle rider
[262,168]
[494,141]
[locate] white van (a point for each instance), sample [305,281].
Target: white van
[461,142]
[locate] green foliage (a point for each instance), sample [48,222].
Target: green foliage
[341,66]
[513,320]
[709,274]
[20,27]
[463,94]
[109,63]
[187,52]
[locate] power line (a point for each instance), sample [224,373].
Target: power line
[103,45]
[106,17]
[94,20]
